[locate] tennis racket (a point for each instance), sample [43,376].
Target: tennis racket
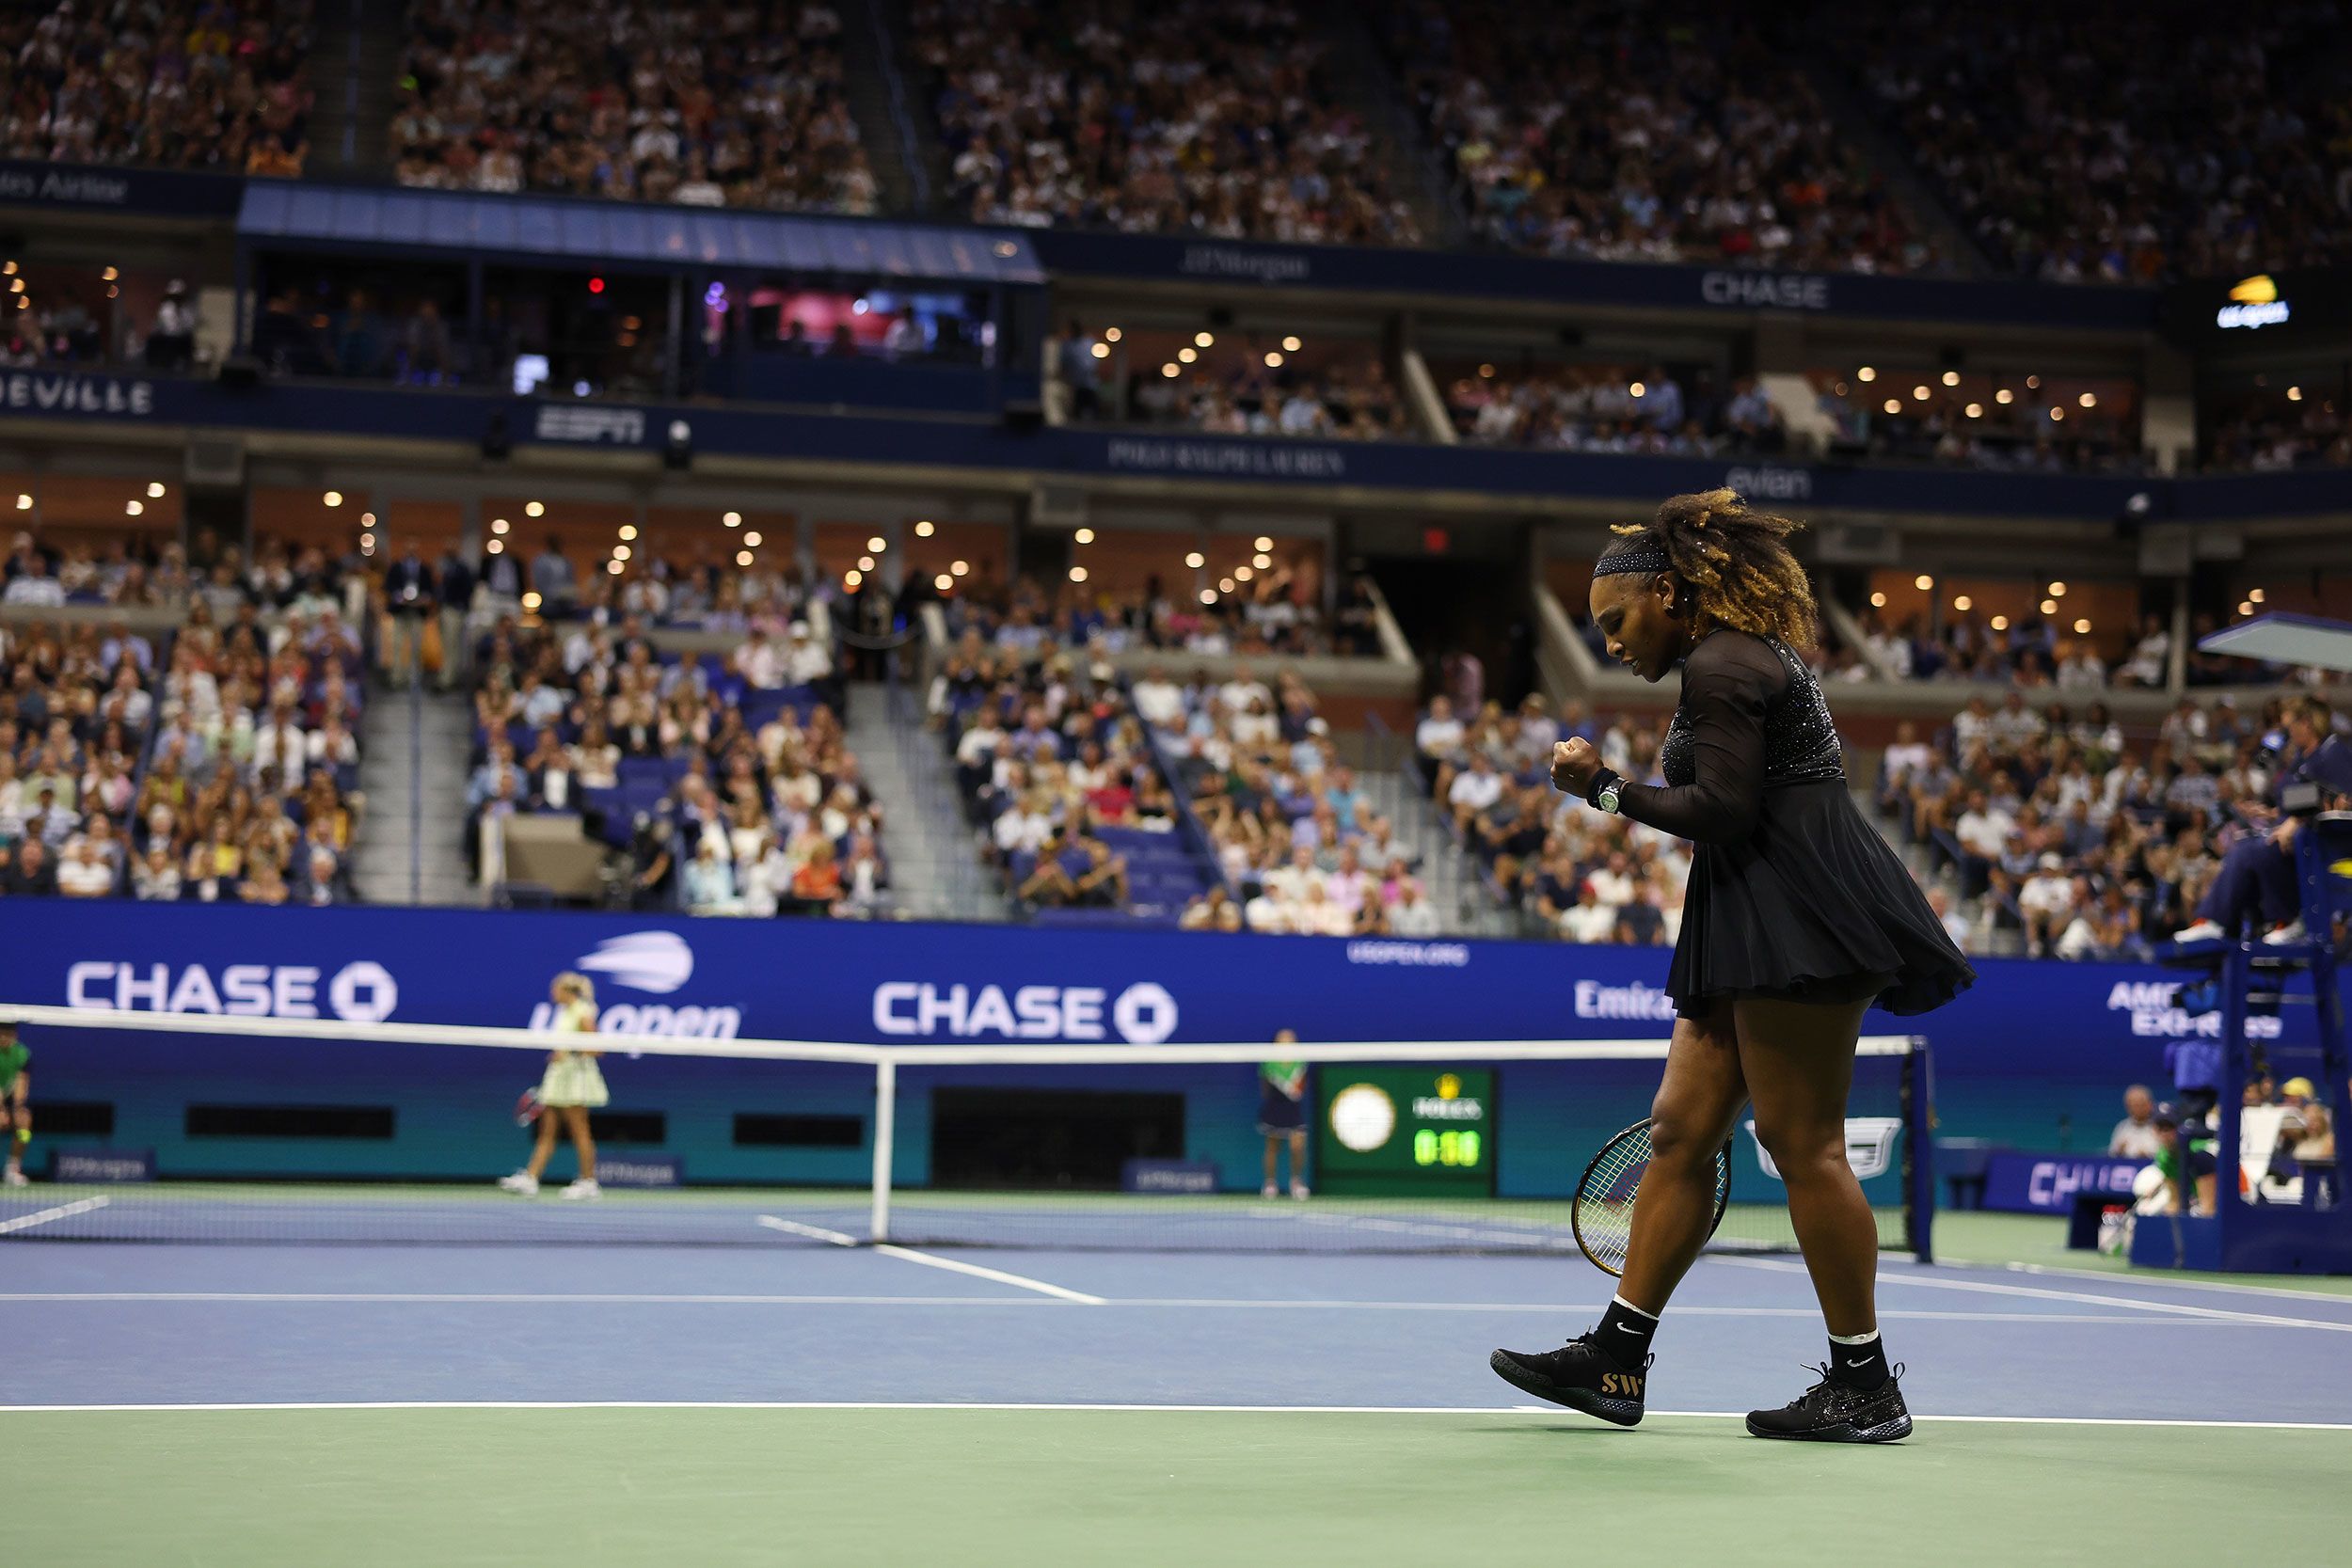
[1602,1214]
[527,1109]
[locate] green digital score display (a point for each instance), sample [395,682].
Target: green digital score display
[1397,1132]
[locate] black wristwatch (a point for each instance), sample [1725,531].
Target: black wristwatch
[1604,792]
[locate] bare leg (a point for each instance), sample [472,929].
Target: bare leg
[1298,1158]
[1273,1153]
[1697,1098]
[548,1115]
[575,1122]
[1799,1062]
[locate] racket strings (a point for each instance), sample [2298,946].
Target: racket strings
[1602,1216]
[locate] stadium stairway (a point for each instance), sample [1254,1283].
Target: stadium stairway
[887,94]
[412,768]
[935,872]
[355,70]
[884,109]
[1451,874]
[1369,84]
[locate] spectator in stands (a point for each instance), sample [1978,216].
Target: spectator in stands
[551,578]
[2135,1137]
[631,101]
[1219,117]
[409,603]
[171,341]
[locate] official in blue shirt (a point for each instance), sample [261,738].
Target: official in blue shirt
[2257,876]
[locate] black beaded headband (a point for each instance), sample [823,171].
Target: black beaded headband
[1644,554]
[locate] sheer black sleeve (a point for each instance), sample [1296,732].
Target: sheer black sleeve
[1727,684]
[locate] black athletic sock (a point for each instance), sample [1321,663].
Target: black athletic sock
[1858,1363]
[1625,1332]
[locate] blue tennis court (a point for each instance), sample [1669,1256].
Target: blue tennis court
[793,1360]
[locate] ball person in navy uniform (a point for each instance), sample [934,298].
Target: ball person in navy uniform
[1798,918]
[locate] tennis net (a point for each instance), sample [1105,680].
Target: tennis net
[176,1128]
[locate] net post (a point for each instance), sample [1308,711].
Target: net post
[886,1138]
[1919,1136]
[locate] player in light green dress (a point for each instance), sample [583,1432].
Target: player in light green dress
[572,1086]
[16,1088]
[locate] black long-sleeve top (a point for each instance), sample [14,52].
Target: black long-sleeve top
[1752,717]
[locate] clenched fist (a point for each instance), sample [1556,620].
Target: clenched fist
[1574,766]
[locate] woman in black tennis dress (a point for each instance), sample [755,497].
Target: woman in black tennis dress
[1798,918]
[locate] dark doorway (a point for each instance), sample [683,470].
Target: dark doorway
[1457,604]
[1014,1138]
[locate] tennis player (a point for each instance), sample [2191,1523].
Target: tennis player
[572,1086]
[1798,918]
[16,1088]
[1282,1117]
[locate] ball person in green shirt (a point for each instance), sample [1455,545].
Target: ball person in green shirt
[1282,1117]
[16,1088]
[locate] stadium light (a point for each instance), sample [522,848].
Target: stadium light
[1243,573]
[620,552]
[864,563]
[1170,371]
[499,525]
[942,582]
[1263,542]
[742,558]
[2004,396]
[733,519]
[1866,373]
[2083,625]
[333,498]
[959,568]
[2049,607]
[1208,595]
[156,489]
[1084,536]
[1923,582]
[1273,360]
[1894,405]
[1110,334]
[1878,601]
[2000,623]
[1962,601]
[531,601]
[614,567]
[2056,590]
[1077,574]
[1289,345]
[1261,561]
[132,509]
[497,546]
[1185,356]
[754,539]
[2255,597]
[850,580]
[24,502]
[2294,394]
[1203,339]
[1918,394]
[534,509]
[1194,560]
[367,519]
[628,531]
[2033,384]
[923,530]
[1101,351]
[1976,410]
[2088,400]
[1951,378]
[2058,416]
[878,544]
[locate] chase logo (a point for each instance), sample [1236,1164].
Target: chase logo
[655,962]
[1143,1014]
[2254,302]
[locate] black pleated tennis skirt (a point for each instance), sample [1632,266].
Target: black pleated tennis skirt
[1813,906]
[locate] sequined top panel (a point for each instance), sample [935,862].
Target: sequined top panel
[1799,739]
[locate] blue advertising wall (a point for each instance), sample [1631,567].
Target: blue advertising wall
[2035,1056]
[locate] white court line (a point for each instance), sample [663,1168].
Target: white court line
[2222,1287]
[2085,1298]
[618,1298]
[1543,1410]
[909,1254]
[62,1211]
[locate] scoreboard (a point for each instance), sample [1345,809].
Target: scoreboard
[1405,1132]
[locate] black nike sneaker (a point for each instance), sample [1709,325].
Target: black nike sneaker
[1834,1412]
[1579,1375]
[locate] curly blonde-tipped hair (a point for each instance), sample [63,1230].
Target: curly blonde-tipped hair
[1738,565]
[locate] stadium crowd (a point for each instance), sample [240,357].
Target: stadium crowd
[1616,131]
[725,103]
[217,762]
[1349,399]
[1966,425]
[726,776]
[1614,408]
[2072,154]
[2267,435]
[1269,614]
[1222,117]
[213,85]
